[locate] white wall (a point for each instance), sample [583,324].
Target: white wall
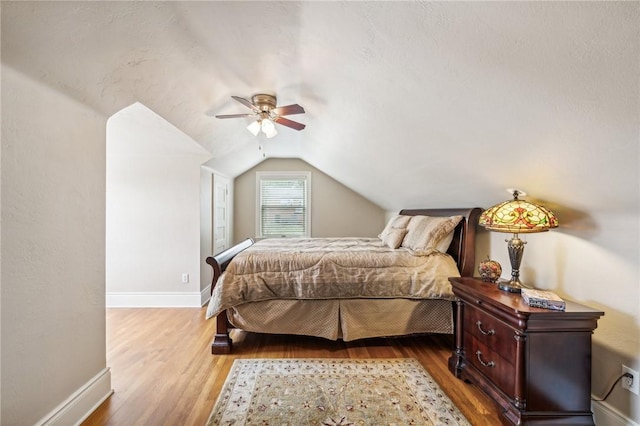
[153,211]
[53,314]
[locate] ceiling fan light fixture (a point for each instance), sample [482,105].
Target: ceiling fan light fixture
[271,134]
[268,128]
[254,127]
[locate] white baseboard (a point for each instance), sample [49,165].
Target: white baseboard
[205,295]
[154,300]
[605,415]
[75,409]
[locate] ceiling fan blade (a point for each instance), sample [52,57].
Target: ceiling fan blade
[246,103]
[288,110]
[290,123]
[235,115]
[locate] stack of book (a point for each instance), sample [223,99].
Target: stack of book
[542,299]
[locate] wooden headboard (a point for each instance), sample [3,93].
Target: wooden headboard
[463,245]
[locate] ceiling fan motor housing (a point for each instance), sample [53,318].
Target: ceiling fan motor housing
[264,102]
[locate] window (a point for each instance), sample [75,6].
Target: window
[283,204]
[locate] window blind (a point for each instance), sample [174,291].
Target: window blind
[283,206]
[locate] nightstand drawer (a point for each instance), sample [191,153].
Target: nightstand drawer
[490,363]
[493,333]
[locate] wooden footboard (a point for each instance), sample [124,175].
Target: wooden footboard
[222,342]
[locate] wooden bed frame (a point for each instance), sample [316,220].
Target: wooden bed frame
[462,249]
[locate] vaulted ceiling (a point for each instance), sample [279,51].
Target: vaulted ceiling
[411,104]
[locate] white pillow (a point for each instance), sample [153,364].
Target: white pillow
[396,222]
[426,233]
[444,243]
[393,237]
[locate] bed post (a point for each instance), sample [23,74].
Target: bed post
[222,342]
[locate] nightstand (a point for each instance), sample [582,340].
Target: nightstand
[535,363]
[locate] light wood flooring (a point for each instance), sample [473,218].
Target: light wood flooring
[163,373]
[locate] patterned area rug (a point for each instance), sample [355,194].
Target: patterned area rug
[332,392]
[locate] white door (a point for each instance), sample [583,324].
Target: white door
[220,213]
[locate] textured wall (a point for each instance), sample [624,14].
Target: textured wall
[53,209]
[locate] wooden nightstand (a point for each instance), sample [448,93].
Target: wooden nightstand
[535,363]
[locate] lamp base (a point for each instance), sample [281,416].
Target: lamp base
[513,286]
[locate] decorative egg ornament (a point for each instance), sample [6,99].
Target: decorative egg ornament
[489,270]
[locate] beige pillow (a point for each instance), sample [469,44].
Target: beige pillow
[396,222]
[393,237]
[444,243]
[427,233]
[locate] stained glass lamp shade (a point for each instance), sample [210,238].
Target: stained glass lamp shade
[517,217]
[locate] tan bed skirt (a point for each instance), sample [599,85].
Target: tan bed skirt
[346,319]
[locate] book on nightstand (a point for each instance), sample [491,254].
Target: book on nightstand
[542,299]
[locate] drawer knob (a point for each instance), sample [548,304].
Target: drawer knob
[486,333]
[489,364]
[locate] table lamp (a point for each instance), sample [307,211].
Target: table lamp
[517,217]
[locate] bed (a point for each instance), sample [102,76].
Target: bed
[346,288]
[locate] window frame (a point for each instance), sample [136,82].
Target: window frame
[303,176]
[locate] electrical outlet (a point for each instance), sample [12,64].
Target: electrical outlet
[631,384]
[185,278]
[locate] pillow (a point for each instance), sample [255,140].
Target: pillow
[444,243]
[393,237]
[396,222]
[426,233]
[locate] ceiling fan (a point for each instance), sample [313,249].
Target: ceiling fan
[266,113]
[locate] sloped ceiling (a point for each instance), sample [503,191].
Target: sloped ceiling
[411,104]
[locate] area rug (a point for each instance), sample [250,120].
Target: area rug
[331,392]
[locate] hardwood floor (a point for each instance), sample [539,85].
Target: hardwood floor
[163,373]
